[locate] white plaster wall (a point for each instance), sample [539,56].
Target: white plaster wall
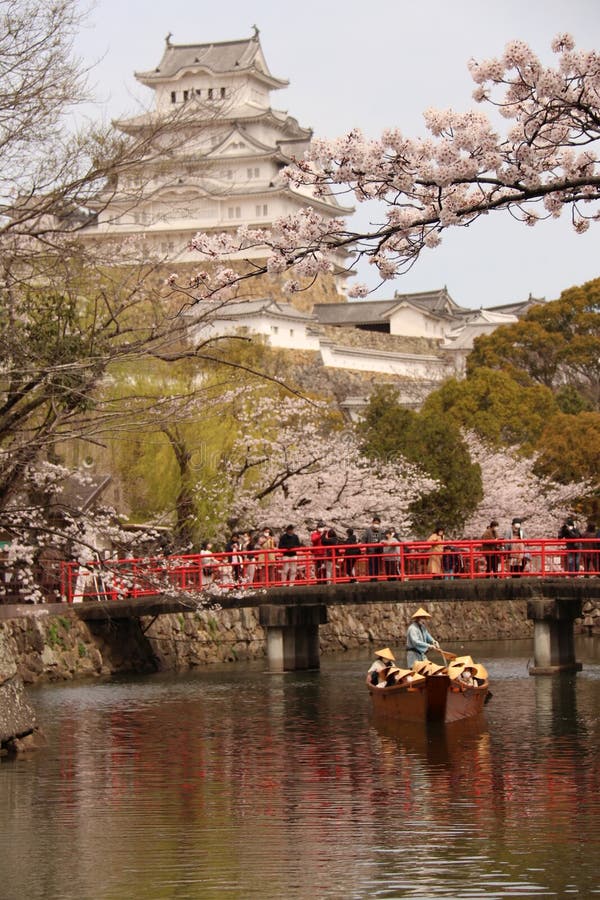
[285,334]
[426,367]
[413,323]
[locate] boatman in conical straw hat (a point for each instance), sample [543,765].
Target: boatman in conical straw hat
[418,638]
[383,660]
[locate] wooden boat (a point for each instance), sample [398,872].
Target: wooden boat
[437,699]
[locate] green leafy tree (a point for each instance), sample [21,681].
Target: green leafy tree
[569,448]
[383,421]
[496,406]
[432,440]
[555,344]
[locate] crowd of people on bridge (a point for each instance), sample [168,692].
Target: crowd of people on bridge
[379,553]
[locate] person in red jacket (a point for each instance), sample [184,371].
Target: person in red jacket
[319,551]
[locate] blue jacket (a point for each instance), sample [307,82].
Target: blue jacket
[418,639]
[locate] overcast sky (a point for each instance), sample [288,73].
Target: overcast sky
[374,65]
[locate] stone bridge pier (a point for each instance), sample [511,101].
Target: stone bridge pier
[292,635]
[553,634]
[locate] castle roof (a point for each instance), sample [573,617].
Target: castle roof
[359,312]
[218,58]
[248,309]
[436,303]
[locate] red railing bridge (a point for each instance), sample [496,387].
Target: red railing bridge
[117,579]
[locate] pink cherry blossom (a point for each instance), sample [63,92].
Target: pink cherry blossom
[547,162]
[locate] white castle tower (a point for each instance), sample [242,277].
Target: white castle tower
[221,159]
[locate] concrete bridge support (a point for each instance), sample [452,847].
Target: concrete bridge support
[292,636]
[553,634]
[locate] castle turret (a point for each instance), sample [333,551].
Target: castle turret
[217,155]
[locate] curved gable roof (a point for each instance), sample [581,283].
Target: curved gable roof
[217,58]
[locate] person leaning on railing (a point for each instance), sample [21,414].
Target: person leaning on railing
[372,537]
[266,544]
[319,553]
[491,549]
[329,540]
[570,532]
[435,561]
[591,549]
[518,559]
[391,550]
[351,553]
[208,562]
[288,544]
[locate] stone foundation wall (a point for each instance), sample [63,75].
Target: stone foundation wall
[58,648]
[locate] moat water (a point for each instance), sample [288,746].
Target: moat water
[231,783]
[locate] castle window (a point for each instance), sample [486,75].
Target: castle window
[223,93]
[253,173]
[234,212]
[173,97]
[186,95]
[274,329]
[261,209]
[198,92]
[210,93]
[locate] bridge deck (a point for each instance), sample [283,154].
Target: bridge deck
[415,592]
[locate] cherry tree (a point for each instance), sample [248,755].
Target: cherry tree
[45,528]
[512,489]
[546,163]
[309,468]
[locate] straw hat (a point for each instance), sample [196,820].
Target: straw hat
[463,661]
[421,614]
[481,672]
[434,669]
[426,667]
[417,678]
[386,653]
[393,670]
[455,672]
[402,672]
[422,665]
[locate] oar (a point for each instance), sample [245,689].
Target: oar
[446,655]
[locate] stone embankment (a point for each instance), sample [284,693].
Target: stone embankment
[43,648]
[18,726]
[36,646]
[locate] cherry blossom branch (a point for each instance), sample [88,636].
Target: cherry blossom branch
[546,163]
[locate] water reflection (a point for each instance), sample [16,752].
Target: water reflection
[241,784]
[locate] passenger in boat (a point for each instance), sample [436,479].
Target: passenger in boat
[464,676]
[388,677]
[481,675]
[406,677]
[418,638]
[383,658]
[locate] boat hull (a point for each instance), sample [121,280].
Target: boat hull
[438,699]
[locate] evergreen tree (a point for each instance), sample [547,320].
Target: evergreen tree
[432,440]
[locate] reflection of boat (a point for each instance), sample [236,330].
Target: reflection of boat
[436,743]
[437,699]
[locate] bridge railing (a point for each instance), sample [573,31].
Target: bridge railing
[114,579]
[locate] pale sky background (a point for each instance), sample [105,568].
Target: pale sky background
[374,65]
